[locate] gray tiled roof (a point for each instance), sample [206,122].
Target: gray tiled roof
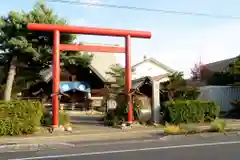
[220,66]
[101,63]
[139,82]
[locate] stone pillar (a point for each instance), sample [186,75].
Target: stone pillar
[155,102]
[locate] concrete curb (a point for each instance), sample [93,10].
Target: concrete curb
[33,147]
[24,145]
[206,135]
[71,138]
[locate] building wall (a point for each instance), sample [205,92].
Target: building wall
[147,69]
[222,95]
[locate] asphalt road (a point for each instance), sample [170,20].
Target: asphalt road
[196,147]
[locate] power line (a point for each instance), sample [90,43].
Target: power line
[144,9]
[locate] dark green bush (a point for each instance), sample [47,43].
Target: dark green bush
[116,116]
[47,118]
[20,117]
[190,111]
[120,114]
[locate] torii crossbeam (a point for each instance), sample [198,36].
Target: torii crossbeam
[57,47]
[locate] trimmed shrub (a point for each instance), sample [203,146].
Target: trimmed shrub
[218,125]
[190,111]
[20,117]
[173,129]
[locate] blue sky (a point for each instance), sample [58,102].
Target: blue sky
[178,41]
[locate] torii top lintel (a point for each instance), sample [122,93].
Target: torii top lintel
[89,30]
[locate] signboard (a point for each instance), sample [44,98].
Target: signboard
[111,104]
[97,103]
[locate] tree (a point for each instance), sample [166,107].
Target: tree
[118,73]
[234,70]
[176,82]
[176,88]
[27,53]
[196,72]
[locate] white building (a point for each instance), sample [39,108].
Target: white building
[150,67]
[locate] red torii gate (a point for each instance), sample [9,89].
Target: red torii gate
[57,47]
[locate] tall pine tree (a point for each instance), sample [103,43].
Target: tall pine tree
[26,53]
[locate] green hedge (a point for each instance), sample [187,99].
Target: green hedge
[20,117]
[190,111]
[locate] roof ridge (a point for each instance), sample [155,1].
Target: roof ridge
[140,62]
[154,60]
